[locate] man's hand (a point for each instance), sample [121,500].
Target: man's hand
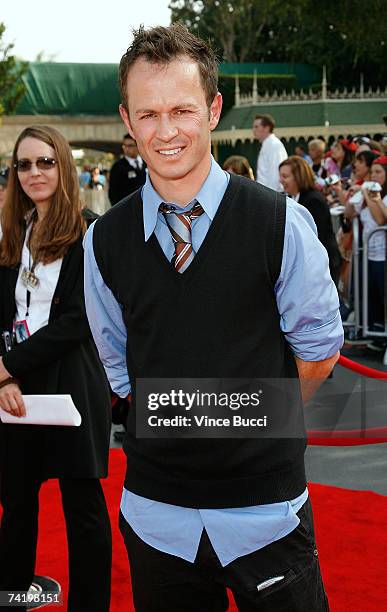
[313,373]
[11,400]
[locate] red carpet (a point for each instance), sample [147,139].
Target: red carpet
[351,533]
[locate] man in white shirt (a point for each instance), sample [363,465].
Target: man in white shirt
[272,152]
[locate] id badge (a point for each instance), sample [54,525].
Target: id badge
[29,279]
[21,331]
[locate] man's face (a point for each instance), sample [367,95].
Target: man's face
[170,120]
[129,148]
[260,131]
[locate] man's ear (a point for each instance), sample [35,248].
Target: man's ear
[125,118]
[215,110]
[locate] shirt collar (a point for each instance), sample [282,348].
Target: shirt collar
[133,160]
[209,196]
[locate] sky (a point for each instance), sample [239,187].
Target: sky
[96,31]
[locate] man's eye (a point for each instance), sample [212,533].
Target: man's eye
[148,116]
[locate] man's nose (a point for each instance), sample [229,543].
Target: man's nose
[167,130]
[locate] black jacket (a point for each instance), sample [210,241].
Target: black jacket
[318,207]
[124,180]
[61,358]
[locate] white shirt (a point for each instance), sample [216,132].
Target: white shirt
[377,242]
[272,153]
[41,297]
[135,162]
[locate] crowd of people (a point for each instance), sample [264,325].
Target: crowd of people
[351,174]
[123,178]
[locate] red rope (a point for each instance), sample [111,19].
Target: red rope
[344,441]
[360,369]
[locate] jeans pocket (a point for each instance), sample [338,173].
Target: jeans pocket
[275,583]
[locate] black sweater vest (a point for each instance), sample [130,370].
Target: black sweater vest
[225,306]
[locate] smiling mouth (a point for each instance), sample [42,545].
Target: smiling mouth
[170,152]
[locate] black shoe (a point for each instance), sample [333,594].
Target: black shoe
[44,591]
[119,436]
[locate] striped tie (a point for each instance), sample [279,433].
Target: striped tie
[180,226]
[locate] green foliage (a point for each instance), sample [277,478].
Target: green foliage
[349,37]
[12,88]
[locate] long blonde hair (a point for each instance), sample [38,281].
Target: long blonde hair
[62,225]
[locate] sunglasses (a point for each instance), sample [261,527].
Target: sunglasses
[42,163]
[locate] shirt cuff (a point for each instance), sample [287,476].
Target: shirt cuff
[319,343]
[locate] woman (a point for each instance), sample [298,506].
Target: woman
[97,180]
[373,214]
[41,276]
[237,164]
[298,181]
[362,166]
[340,159]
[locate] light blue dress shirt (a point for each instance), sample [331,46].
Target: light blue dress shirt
[308,305]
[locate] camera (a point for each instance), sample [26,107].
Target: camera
[333,179]
[371,186]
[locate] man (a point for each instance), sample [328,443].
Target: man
[128,173]
[316,149]
[299,150]
[272,152]
[189,278]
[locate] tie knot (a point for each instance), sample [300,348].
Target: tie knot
[195,211]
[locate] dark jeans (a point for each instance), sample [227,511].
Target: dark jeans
[165,583]
[88,535]
[376,294]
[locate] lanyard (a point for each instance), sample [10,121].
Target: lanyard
[31,269]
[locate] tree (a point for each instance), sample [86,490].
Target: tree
[12,87]
[348,37]
[233,27]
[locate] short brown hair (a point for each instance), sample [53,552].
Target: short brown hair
[266,121]
[302,172]
[161,45]
[63,224]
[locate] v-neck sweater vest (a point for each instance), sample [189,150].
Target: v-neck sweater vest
[219,319]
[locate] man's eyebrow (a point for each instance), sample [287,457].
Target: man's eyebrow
[145,111]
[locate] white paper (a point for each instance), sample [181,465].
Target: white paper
[46,410]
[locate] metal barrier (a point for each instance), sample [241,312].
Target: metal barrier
[366,329]
[359,284]
[355,273]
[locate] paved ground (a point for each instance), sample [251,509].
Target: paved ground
[363,468]
[341,403]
